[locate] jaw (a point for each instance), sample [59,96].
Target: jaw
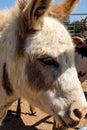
[40,101]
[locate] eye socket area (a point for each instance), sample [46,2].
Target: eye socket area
[48,61]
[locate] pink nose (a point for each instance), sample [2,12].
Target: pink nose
[77,111]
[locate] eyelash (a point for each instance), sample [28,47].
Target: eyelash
[49,62]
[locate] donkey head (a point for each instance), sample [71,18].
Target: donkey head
[52,83]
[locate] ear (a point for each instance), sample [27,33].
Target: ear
[32,13]
[79,41]
[63,9]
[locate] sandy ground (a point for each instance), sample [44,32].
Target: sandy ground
[40,121]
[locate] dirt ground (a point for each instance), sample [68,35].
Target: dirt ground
[40,121]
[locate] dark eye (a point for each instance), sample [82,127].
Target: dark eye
[49,61]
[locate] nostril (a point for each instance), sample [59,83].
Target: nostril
[77,113]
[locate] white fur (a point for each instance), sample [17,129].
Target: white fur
[60,85]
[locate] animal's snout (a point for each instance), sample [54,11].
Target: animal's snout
[77,111]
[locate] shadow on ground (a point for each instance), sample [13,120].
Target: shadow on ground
[12,122]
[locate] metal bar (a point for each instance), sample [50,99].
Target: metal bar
[79,14]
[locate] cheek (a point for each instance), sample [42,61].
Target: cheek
[35,77]
[38,78]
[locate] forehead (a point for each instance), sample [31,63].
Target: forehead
[52,39]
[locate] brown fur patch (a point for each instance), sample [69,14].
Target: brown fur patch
[6,82]
[63,9]
[41,9]
[35,77]
[22,40]
[20,46]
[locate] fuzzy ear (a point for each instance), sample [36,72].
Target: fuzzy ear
[32,13]
[79,41]
[63,9]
